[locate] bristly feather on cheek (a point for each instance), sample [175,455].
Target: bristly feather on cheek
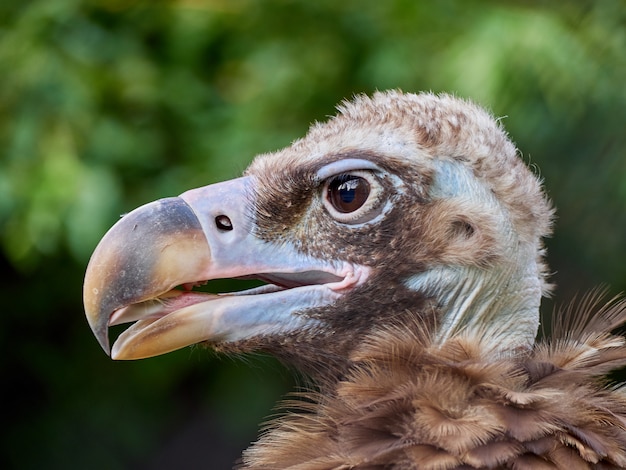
[281,200]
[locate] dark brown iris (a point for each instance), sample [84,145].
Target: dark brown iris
[347,193]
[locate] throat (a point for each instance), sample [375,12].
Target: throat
[499,306]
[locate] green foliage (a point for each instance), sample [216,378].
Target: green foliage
[108,104]
[104,96]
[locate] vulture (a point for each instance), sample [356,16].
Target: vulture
[400,246]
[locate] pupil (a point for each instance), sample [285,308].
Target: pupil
[347,190]
[348,193]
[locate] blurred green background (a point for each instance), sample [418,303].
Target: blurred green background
[108,104]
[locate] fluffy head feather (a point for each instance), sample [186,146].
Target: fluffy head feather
[464,229]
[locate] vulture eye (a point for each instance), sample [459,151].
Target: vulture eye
[348,193]
[353,197]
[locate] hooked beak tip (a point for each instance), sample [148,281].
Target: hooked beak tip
[100,330]
[146,253]
[103,339]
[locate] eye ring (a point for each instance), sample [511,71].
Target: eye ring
[353,197]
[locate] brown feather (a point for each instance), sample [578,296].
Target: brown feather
[421,405]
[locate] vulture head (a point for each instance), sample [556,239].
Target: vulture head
[400,244]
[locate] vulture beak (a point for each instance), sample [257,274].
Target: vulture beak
[144,268]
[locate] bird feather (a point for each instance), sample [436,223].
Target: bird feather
[410,400]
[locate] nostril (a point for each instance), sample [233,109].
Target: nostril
[223,223]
